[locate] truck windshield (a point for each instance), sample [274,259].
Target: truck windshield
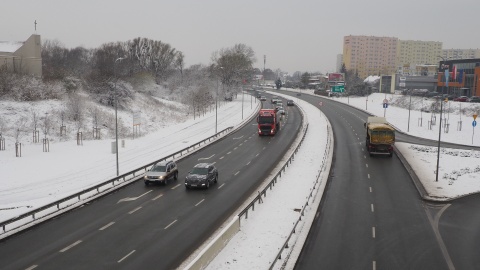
[265,119]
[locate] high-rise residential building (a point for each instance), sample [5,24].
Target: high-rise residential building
[456,54]
[411,53]
[339,62]
[370,55]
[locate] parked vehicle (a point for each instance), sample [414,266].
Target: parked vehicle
[461,99]
[201,176]
[161,172]
[268,122]
[474,99]
[380,136]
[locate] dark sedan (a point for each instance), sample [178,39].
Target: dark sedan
[201,176]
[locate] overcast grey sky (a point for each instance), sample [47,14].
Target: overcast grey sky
[303,35]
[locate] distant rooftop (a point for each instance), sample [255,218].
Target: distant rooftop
[10,46]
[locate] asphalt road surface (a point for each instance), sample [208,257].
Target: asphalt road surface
[155,226]
[372,216]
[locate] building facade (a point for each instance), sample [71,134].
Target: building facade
[456,54]
[370,55]
[411,53]
[22,57]
[463,77]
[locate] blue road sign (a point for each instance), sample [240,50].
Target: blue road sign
[474,123]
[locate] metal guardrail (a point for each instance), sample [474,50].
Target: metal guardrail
[272,183]
[322,168]
[71,200]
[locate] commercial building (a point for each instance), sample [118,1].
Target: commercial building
[23,57]
[463,77]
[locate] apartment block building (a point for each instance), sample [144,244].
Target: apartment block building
[412,53]
[457,54]
[371,55]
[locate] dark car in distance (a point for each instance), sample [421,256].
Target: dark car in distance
[290,103]
[474,99]
[201,176]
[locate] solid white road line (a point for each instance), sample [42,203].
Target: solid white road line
[71,246]
[131,252]
[106,226]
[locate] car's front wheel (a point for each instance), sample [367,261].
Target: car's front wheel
[216,179]
[207,185]
[176,176]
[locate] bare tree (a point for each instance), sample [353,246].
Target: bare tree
[233,64]
[75,110]
[20,130]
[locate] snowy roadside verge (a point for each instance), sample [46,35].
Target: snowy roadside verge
[27,222]
[263,234]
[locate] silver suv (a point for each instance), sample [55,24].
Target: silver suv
[161,172]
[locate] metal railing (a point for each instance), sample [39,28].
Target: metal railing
[81,196]
[315,186]
[272,183]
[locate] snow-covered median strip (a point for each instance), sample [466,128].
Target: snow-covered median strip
[263,234]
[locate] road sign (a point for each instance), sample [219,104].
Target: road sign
[338,88]
[385,105]
[474,123]
[475,117]
[385,101]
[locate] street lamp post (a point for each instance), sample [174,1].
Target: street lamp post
[116,117]
[440,125]
[242,100]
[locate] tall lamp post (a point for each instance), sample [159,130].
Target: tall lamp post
[216,106]
[116,118]
[445,75]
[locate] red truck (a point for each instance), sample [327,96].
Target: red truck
[268,122]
